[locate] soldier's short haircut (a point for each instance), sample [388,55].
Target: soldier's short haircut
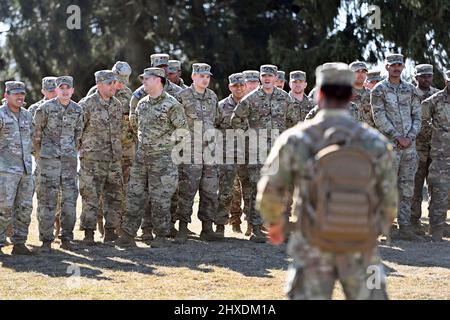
[337,92]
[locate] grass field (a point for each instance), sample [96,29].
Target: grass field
[232,269]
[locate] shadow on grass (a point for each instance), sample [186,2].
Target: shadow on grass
[238,255]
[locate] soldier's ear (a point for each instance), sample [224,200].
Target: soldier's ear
[386,66]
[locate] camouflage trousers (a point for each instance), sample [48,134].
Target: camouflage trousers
[249,182]
[201,178]
[236,202]
[16,205]
[406,162]
[229,181]
[147,215]
[57,185]
[313,273]
[439,178]
[153,183]
[101,180]
[419,180]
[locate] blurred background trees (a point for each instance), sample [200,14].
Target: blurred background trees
[230,35]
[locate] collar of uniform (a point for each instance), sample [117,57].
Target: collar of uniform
[401,85]
[305,97]
[331,113]
[261,92]
[10,113]
[231,100]
[200,96]
[157,99]
[100,99]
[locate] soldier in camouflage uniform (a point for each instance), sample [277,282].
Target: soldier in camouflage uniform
[157,61]
[122,70]
[196,173]
[373,77]
[101,157]
[174,73]
[438,106]
[58,124]
[314,271]
[230,171]
[263,112]
[361,95]
[397,114]
[281,79]
[301,105]
[251,83]
[48,91]
[154,175]
[16,180]
[424,78]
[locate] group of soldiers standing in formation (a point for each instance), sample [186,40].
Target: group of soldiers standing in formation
[124,141]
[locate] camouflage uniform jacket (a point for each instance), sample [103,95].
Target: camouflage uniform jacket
[157,118]
[57,129]
[298,110]
[15,141]
[396,111]
[423,139]
[102,129]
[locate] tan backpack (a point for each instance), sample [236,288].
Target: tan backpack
[340,203]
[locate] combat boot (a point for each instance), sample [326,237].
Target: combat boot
[220,230]
[10,231]
[207,233]
[160,242]
[249,230]
[21,249]
[236,228]
[418,228]
[66,245]
[182,233]
[89,237]
[125,241]
[46,246]
[190,233]
[446,233]
[436,233]
[147,235]
[110,235]
[257,235]
[173,231]
[407,233]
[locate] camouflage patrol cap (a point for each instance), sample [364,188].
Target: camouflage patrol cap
[268,69]
[394,58]
[159,59]
[297,75]
[236,78]
[49,83]
[251,75]
[281,75]
[68,80]
[201,68]
[122,71]
[422,69]
[374,75]
[447,75]
[153,72]
[12,87]
[174,66]
[105,76]
[358,65]
[336,73]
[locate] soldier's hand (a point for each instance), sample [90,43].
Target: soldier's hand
[276,233]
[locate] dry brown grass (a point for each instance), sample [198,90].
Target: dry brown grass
[233,269]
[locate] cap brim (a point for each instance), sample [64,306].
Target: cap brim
[394,62]
[424,73]
[13,91]
[208,73]
[67,84]
[263,73]
[232,84]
